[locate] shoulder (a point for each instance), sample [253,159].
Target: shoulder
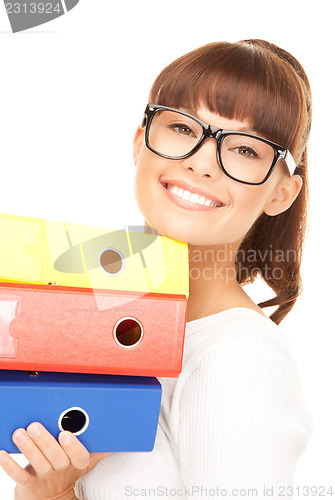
[241,331]
[241,361]
[246,362]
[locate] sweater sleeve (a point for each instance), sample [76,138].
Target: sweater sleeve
[242,424]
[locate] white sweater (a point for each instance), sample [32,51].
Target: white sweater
[233,420]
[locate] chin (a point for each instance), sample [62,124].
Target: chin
[169,230]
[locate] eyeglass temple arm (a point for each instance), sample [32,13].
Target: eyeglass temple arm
[289,160]
[144,120]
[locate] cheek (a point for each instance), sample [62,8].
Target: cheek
[249,200]
[248,204]
[145,186]
[139,189]
[149,169]
[253,204]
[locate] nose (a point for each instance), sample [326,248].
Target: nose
[203,162]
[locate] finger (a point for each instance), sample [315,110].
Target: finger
[48,445]
[33,454]
[75,450]
[14,471]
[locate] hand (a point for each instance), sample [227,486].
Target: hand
[53,466]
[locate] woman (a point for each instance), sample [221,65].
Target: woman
[221,163]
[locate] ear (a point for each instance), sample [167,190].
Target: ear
[138,143]
[284,195]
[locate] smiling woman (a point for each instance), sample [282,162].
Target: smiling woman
[220,164]
[266,89]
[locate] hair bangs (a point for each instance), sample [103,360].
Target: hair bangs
[238,82]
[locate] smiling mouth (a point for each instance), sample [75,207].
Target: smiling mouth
[194,198]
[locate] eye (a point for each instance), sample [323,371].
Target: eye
[181,128]
[246,152]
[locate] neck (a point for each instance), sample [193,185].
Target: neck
[213,283]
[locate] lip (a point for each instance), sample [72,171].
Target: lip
[193,189]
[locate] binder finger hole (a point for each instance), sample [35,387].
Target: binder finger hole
[73,419]
[128,332]
[111,261]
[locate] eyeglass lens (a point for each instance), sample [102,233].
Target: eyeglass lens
[245,158]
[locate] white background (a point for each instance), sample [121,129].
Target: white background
[71,95]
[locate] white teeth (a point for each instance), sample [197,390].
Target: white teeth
[186,195]
[174,190]
[194,198]
[191,197]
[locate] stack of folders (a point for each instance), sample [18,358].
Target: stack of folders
[89,317]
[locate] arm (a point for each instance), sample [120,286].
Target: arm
[242,421]
[54,466]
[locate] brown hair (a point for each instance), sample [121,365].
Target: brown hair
[256,81]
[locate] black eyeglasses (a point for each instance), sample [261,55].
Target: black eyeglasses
[244,157]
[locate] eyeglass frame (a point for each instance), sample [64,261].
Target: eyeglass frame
[209,131]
